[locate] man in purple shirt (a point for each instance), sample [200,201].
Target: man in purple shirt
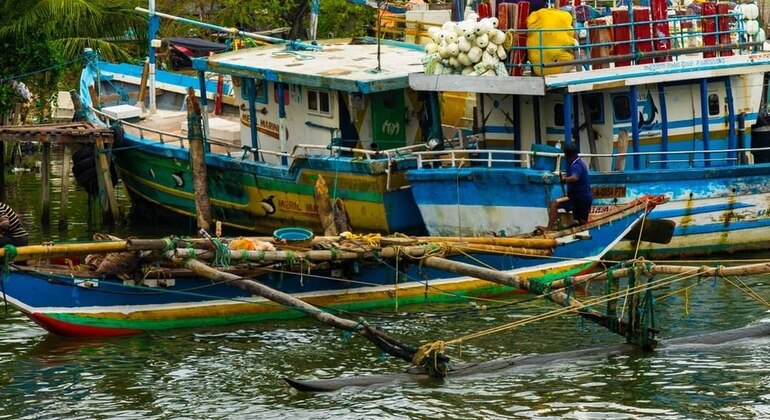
[579,197]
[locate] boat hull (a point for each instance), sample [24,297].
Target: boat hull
[716,209]
[260,197]
[69,305]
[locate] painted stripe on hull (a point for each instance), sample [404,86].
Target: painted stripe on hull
[705,204]
[122,320]
[160,173]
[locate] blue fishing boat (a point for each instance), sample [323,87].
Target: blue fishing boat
[671,103]
[349,274]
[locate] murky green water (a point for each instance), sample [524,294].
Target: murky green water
[236,372]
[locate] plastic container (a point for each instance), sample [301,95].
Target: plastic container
[294,235]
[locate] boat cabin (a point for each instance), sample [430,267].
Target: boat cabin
[635,87]
[347,93]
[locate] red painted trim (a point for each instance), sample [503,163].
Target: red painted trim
[74,330]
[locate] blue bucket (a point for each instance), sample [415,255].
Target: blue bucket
[293,235]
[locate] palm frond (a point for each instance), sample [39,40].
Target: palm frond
[73,48]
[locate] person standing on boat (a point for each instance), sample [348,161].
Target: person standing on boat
[579,197]
[11,232]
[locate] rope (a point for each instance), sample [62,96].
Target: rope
[571,309]
[221,254]
[32,73]
[10,255]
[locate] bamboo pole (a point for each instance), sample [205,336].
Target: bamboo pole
[66,163]
[492,240]
[703,270]
[32,252]
[198,161]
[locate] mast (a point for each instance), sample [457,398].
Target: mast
[154,26]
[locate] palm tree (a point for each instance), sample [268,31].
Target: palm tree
[72,25]
[39,38]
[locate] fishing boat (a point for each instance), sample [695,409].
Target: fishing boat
[336,111]
[669,103]
[335,274]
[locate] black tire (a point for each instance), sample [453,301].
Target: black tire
[84,170]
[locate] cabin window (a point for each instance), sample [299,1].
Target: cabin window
[260,86]
[713,104]
[594,107]
[621,105]
[558,115]
[319,102]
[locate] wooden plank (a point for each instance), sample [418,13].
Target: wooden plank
[503,85]
[66,162]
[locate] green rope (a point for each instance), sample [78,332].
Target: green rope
[335,252]
[190,253]
[291,258]
[221,254]
[171,243]
[244,255]
[10,255]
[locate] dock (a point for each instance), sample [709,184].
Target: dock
[67,135]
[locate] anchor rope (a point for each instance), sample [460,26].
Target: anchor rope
[573,308]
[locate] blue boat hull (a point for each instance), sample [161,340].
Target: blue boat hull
[716,209]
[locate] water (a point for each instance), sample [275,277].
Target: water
[235,372]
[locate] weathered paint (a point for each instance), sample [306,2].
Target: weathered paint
[717,209]
[69,305]
[239,187]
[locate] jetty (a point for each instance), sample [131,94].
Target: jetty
[69,135]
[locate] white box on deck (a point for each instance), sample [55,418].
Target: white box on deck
[122,112]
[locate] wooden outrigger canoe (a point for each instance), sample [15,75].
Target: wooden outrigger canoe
[348,275]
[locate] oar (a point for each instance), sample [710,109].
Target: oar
[658,231]
[32,252]
[380,339]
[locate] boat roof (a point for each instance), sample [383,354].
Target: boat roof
[339,65]
[684,68]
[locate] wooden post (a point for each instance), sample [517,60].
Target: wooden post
[198,161]
[66,163]
[45,180]
[106,189]
[143,84]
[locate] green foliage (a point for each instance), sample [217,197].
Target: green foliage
[340,18]
[40,38]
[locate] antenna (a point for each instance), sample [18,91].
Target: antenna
[380,10]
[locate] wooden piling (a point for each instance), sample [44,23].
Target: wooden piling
[106,189]
[143,84]
[198,161]
[45,181]
[66,163]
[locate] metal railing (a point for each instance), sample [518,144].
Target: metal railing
[459,158]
